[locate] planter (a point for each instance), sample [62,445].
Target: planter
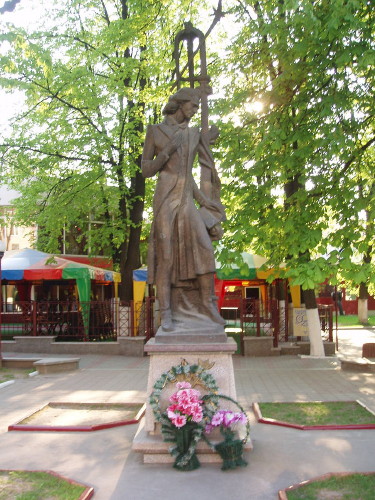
[329,348]
[258,346]
[184,437]
[231,452]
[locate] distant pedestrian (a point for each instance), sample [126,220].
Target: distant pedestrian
[337,297]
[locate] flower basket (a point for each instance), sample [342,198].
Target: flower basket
[231,452]
[190,416]
[231,449]
[184,438]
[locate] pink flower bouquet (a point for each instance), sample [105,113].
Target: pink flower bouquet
[186,405]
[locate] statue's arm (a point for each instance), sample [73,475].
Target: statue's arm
[199,196]
[202,199]
[151,164]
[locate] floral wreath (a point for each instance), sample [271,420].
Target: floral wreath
[196,375]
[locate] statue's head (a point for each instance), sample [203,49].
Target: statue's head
[185,94]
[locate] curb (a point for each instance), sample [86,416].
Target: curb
[283,494]
[74,428]
[5,384]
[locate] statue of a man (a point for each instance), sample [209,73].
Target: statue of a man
[181,256]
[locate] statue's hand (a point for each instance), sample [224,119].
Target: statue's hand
[175,143]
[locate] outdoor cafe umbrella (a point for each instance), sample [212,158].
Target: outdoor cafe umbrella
[29,265]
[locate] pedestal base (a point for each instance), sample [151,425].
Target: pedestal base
[156,451]
[208,335]
[165,356]
[218,356]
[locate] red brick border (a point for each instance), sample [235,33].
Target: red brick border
[283,494]
[86,495]
[76,428]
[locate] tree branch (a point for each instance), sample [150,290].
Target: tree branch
[356,154]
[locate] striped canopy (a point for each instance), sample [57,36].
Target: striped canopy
[32,265]
[249,270]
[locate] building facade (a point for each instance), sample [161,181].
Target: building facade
[15,237]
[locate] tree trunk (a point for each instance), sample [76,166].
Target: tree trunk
[363,304]
[133,260]
[281,296]
[312,315]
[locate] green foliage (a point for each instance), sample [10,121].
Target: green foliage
[297,176]
[93,74]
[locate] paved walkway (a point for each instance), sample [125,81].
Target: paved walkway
[280,457]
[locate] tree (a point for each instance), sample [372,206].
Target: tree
[357,268]
[92,80]
[308,63]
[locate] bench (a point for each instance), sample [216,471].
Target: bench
[19,363]
[43,365]
[358,364]
[368,350]
[56,365]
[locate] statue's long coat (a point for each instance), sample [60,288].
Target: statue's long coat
[178,232]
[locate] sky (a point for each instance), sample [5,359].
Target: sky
[29,13]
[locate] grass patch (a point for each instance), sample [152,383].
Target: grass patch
[7,374]
[359,486]
[318,413]
[352,320]
[252,332]
[23,485]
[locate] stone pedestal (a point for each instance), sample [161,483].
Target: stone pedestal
[163,357]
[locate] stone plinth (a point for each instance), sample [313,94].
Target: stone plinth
[218,356]
[192,336]
[259,346]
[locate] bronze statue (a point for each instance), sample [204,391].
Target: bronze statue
[181,257]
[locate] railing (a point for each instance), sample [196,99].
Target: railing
[272,319]
[326,325]
[108,320]
[94,321]
[258,319]
[136,318]
[326,321]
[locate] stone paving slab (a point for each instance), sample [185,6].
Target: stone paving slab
[280,456]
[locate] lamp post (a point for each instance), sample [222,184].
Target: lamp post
[2,251]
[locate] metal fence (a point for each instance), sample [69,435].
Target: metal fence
[256,318]
[107,320]
[136,318]
[96,321]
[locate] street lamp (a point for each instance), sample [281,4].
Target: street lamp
[2,251]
